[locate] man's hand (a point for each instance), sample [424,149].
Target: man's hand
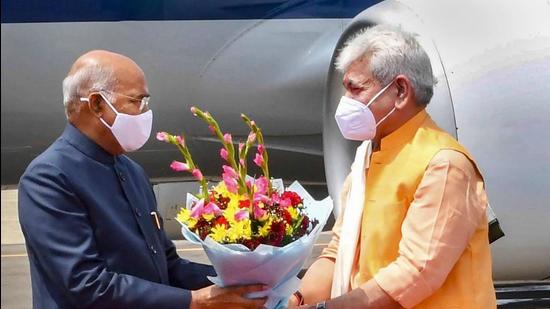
[226,298]
[293,302]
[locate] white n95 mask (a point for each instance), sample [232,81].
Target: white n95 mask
[355,119]
[131,131]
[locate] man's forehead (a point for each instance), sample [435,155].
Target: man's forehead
[133,84]
[358,77]
[359,72]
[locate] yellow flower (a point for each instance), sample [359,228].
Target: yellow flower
[293,213]
[208,217]
[184,216]
[218,233]
[266,228]
[289,229]
[229,214]
[240,230]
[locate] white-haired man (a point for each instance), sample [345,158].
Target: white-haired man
[89,214]
[413,231]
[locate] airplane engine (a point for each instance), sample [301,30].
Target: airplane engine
[493,94]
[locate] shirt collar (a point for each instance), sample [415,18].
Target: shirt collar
[404,133]
[85,145]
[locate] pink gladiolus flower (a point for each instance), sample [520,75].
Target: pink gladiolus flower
[261,185]
[261,149]
[224,154]
[242,162]
[230,183]
[179,166]
[258,197]
[212,209]
[253,123]
[229,171]
[242,215]
[258,211]
[180,140]
[162,136]
[259,160]
[212,129]
[251,138]
[197,210]
[241,146]
[227,138]
[197,174]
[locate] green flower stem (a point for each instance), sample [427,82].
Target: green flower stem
[189,161]
[206,117]
[260,141]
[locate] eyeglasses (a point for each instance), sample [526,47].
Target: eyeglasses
[144,102]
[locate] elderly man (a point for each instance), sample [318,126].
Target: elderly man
[88,212]
[414,229]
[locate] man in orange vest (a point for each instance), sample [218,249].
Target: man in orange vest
[413,232]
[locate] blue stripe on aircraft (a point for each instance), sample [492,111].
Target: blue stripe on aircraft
[27,11]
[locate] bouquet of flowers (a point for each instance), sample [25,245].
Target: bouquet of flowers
[252,229]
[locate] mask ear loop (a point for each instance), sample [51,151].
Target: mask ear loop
[108,103]
[379,93]
[82,99]
[376,96]
[384,118]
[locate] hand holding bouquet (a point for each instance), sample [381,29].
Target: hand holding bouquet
[252,229]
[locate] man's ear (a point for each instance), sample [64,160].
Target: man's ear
[94,104]
[404,91]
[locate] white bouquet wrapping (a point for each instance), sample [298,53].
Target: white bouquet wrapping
[276,267]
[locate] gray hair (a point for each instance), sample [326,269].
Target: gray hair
[392,52]
[87,79]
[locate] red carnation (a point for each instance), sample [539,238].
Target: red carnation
[277,233]
[305,224]
[244,204]
[221,221]
[294,198]
[287,216]
[251,243]
[223,201]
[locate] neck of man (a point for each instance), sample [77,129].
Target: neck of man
[404,117]
[102,137]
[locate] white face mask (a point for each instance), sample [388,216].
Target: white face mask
[131,131]
[355,119]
